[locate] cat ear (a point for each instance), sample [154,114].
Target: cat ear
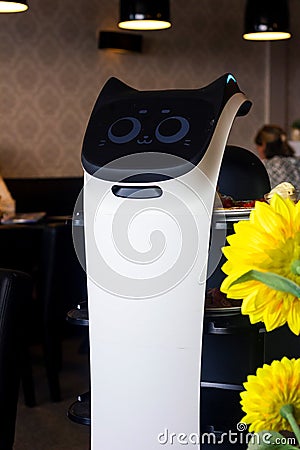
[114,89]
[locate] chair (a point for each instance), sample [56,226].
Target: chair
[281,342]
[56,195]
[15,294]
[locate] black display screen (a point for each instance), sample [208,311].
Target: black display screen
[125,122]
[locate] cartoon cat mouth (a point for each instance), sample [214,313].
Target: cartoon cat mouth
[144,141]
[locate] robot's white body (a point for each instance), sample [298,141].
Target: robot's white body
[146,331]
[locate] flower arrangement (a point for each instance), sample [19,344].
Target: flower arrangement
[263,264]
[271,400]
[263,269]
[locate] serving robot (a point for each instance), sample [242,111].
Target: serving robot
[151,162]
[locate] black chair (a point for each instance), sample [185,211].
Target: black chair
[56,195]
[15,295]
[242,174]
[281,342]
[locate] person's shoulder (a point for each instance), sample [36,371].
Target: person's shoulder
[275,160]
[286,160]
[294,160]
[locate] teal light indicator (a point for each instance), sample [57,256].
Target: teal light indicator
[230,77]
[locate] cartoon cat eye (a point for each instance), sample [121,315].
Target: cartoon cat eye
[169,137]
[121,128]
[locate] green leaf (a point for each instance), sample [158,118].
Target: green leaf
[273,280]
[269,440]
[287,412]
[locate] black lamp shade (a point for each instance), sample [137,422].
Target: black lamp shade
[120,42]
[12,6]
[144,14]
[267,20]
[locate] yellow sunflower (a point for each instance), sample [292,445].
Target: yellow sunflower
[271,389]
[268,246]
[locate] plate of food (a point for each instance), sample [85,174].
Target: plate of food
[228,207]
[217,303]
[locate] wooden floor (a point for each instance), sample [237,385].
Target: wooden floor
[46,426]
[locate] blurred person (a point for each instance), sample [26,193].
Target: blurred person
[7,203]
[278,156]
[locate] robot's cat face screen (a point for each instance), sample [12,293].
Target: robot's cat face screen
[173,122]
[170,130]
[179,127]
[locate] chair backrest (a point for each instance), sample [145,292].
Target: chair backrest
[63,281]
[56,196]
[242,175]
[15,294]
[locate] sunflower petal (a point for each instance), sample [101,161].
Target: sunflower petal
[293,317]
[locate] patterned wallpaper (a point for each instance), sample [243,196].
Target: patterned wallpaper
[293,107]
[51,72]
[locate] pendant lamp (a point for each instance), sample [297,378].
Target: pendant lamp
[267,20]
[144,14]
[9,6]
[120,42]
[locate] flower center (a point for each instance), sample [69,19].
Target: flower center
[295,267]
